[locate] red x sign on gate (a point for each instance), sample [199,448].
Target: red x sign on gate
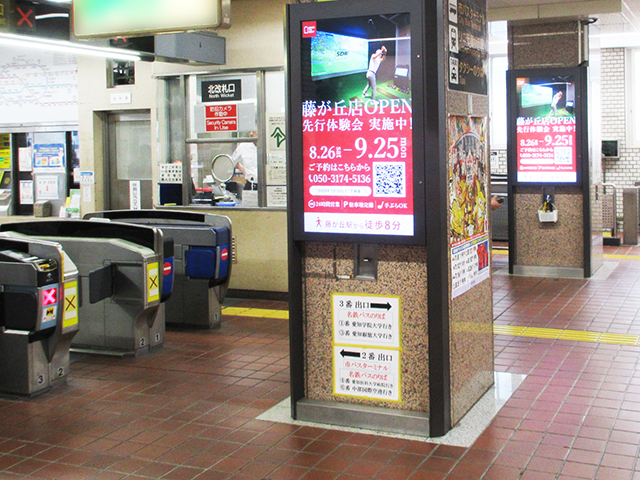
[154,281]
[25,17]
[49,297]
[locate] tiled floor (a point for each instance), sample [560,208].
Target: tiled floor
[187,411]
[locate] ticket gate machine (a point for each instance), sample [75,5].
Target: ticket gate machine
[202,257]
[38,315]
[121,281]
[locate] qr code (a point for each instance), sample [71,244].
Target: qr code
[562,155]
[389,179]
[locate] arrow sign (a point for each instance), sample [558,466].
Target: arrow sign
[349,354]
[386,306]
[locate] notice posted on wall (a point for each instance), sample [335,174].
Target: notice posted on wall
[366,346]
[469,264]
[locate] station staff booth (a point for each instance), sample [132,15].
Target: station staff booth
[121,282]
[38,314]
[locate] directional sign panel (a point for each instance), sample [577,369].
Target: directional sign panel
[366,320]
[366,346]
[372,373]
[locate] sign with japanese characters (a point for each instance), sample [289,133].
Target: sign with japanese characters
[221,118]
[366,320]
[546,130]
[366,345]
[468,48]
[468,203]
[357,128]
[365,372]
[221,91]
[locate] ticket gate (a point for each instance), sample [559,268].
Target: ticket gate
[202,263]
[121,281]
[38,315]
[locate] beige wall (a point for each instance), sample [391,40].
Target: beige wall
[255,40]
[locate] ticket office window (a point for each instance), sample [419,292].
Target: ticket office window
[228,136]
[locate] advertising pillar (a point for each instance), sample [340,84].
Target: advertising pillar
[381,166]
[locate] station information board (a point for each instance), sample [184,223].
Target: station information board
[356,124]
[546,130]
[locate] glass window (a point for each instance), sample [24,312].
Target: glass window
[498,101]
[633,111]
[234,124]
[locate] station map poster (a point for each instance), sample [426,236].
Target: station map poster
[546,129]
[357,147]
[468,49]
[468,203]
[37,87]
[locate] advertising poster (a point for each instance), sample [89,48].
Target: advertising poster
[357,126]
[546,130]
[468,203]
[366,346]
[48,155]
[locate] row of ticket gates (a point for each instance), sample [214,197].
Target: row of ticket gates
[105,284]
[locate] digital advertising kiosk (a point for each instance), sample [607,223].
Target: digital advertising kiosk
[381,335]
[549,173]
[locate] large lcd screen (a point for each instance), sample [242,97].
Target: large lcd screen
[546,129]
[357,126]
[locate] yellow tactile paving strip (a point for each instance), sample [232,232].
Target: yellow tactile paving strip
[535,332]
[256,312]
[512,330]
[606,255]
[574,335]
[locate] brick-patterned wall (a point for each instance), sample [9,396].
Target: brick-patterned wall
[498,162]
[622,172]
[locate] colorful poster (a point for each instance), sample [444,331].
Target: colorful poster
[49,155]
[546,130]
[5,150]
[357,128]
[468,203]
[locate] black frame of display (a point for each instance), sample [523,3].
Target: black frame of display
[356,8]
[582,148]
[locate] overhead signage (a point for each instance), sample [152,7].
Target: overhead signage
[113,18]
[546,130]
[366,346]
[468,48]
[357,127]
[221,90]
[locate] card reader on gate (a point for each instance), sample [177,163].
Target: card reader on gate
[29,291]
[210,262]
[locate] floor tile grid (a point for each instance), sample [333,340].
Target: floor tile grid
[150,402]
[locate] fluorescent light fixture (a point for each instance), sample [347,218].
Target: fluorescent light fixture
[52,15]
[60,46]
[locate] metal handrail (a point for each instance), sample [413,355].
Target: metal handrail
[614,234]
